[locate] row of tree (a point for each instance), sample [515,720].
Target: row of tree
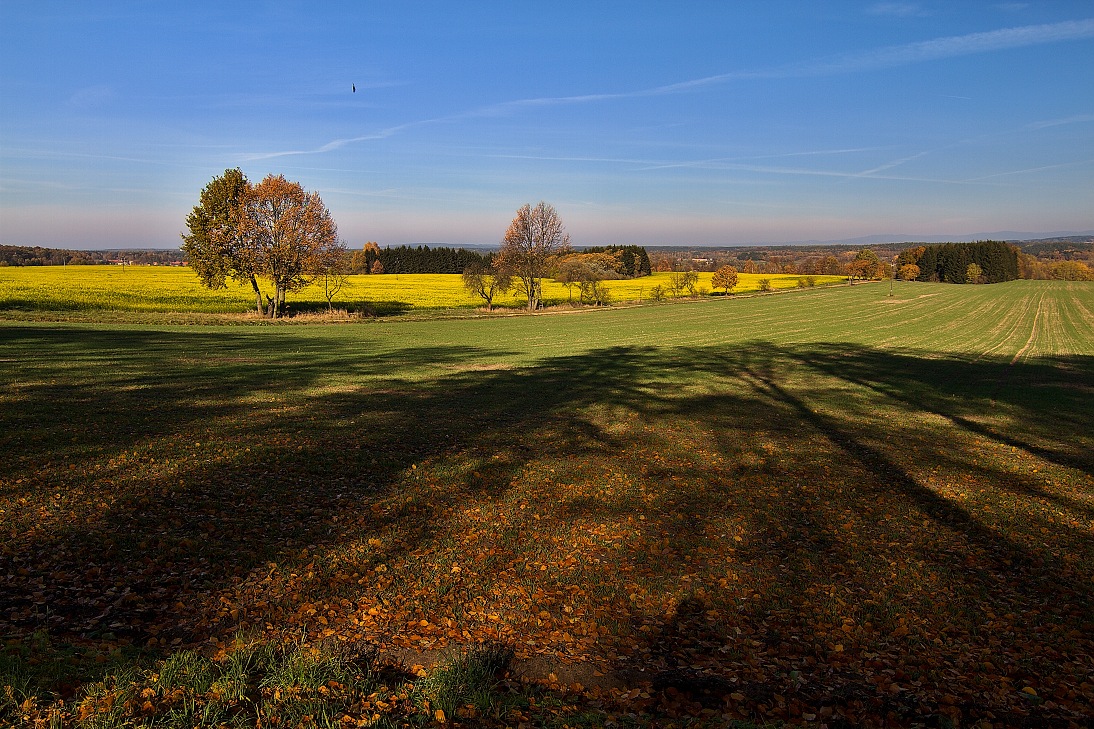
[273,231]
[39,256]
[980,262]
[622,261]
[420,259]
[1062,270]
[777,260]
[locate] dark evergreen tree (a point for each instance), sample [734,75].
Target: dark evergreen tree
[928,264]
[949,262]
[423,259]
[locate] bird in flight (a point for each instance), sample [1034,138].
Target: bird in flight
[354,87]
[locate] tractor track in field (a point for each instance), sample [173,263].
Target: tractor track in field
[1033,330]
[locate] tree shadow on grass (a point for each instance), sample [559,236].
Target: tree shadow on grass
[180,485]
[383,308]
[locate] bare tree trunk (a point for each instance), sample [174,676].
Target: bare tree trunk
[258,296]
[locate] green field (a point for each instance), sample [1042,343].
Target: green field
[831,505]
[159,289]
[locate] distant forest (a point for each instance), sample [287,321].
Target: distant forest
[1069,258]
[38,256]
[405,259]
[1050,258]
[949,262]
[633,260]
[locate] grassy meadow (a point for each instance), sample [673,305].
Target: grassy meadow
[831,507]
[161,289]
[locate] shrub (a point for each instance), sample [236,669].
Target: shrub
[765,284]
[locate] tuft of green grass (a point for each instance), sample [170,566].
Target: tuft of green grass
[468,684]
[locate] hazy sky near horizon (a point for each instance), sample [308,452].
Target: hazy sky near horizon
[700,122]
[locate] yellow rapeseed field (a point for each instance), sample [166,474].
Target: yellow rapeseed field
[174,289]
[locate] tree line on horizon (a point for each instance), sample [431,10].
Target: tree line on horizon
[43,256]
[276,232]
[986,261]
[633,260]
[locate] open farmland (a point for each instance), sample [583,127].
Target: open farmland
[828,506]
[152,289]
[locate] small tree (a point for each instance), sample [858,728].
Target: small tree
[587,271]
[765,284]
[724,278]
[681,281]
[214,247]
[595,292]
[273,230]
[973,273]
[908,272]
[570,274]
[535,235]
[657,293]
[334,273]
[691,278]
[486,281]
[290,232]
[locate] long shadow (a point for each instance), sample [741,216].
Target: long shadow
[285,448]
[953,393]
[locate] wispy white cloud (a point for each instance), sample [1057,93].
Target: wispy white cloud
[331,145]
[1042,168]
[1077,119]
[942,48]
[887,57]
[879,58]
[718,164]
[890,165]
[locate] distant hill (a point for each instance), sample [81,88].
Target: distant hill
[1010,236]
[1065,248]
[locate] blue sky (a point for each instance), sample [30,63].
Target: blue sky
[712,123]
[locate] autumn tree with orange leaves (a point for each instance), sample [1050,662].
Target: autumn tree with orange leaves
[724,278]
[273,230]
[535,235]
